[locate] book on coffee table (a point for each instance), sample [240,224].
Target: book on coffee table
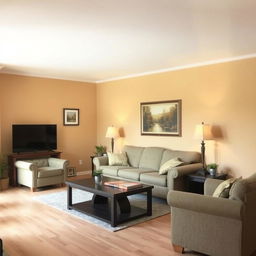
[126,185]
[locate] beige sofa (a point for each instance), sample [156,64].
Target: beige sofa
[41,172]
[215,226]
[144,164]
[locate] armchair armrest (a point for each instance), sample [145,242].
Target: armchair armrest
[58,163]
[183,170]
[101,160]
[206,204]
[26,165]
[210,185]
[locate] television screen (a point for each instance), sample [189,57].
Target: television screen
[34,137]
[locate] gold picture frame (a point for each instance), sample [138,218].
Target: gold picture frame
[161,118]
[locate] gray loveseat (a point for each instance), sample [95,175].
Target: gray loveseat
[144,163]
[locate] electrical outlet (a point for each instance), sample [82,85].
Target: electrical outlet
[80,162]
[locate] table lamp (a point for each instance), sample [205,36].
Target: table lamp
[112,133]
[203,132]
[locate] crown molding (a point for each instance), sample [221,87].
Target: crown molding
[45,76]
[5,70]
[194,65]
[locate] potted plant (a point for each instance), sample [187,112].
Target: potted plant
[4,179]
[100,150]
[212,169]
[97,174]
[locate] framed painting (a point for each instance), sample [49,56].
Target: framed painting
[71,116]
[161,118]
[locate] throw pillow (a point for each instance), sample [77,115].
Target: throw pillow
[224,187]
[169,164]
[117,159]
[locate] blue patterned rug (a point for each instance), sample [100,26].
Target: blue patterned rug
[59,201]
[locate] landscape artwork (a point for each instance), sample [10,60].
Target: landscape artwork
[71,116]
[161,118]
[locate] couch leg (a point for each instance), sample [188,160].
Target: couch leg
[33,189]
[178,248]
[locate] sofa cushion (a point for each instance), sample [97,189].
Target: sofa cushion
[39,162]
[133,174]
[154,178]
[151,158]
[133,154]
[185,156]
[169,165]
[240,188]
[223,188]
[112,170]
[44,172]
[117,159]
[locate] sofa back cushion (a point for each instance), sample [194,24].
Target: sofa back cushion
[151,158]
[224,187]
[134,154]
[240,189]
[187,157]
[41,162]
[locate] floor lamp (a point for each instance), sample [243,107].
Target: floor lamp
[203,132]
[112,133]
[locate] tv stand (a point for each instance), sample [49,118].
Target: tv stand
[12,158]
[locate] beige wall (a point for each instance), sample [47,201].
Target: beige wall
[221,95]
[0,122]
[30,100]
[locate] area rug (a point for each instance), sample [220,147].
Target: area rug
[59,201]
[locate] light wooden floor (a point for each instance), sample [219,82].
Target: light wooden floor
[30,228]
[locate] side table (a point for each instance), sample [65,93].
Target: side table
[195,181]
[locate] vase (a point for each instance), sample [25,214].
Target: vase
[98,179]
[212,172]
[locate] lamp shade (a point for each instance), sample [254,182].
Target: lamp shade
[112,132]
[204,132]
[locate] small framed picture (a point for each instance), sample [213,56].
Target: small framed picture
[71,116]
[71,171]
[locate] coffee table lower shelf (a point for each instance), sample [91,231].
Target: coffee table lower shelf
[102,212]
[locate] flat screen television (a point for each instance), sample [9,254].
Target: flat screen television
[34,137]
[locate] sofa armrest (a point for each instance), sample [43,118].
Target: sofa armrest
[100,160]
[183,170]
[26,165]
[206,204]
[210,185]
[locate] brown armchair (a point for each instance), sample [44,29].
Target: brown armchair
[215,226]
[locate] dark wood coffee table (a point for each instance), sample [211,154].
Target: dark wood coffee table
[109,204]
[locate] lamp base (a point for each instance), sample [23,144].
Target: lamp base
[112,145]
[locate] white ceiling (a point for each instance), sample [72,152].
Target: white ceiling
[95,40]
